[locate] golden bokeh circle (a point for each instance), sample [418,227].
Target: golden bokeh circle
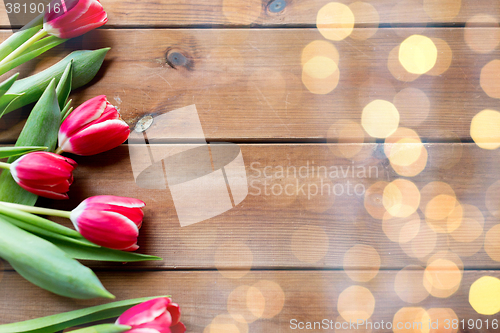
[380,118]
[361,263]
[321,86]
[422,244]
[401,197]
[443,315]
[408,284]
[241,11]
[310,244]
[418,54]
[484,295]
[442,10]
[442,278]
[356,303]
[481,33]
[408,316]
[437,200]
[413,169]
[413,106]
[471,224]
[401,229]
[274,297]
[350,137]
[335,21]
[485,129]
[489,78]
[319,48]
[397,70]
[233,259]
[364,13]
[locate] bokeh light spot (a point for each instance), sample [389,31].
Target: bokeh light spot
[335,21]
[397,70]
[492,243]
[361,263]
[320,67]
[485,129]
[489,78]
[409,284]
[319,48]
[233,259]
[413,106]
[245,304]
[411,317]
[442,315]
[444,58]
[401,198]
[481,33]
[484,295]
[364,13]
[380,118]
[373,202]
[442,278]
[417,54]
[274,297]
[356,303]
[225,323]
[401,229]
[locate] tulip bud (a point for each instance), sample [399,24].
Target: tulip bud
[92,128]
[109,221]
[72,18]
[158,315]
[45,174]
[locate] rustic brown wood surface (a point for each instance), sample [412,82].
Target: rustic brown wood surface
[262,75]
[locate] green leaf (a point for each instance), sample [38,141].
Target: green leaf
[18,38]
[14,99]
[32,52]
[102,254]
[66,111]
[85,67]
[104,328]
[40,129]
[16,151]
[46,266]
[64,86]
[5,85]
[65,320]
[47,234]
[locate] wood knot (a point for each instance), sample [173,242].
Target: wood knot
[276,6]
[176,58]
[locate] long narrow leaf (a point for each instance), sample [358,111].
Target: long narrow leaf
[46,266]
[104,328]
[64,86]
[65,320]
[4,110]
[39,222]
[18,38]
[5,85]
[16,151]
[32,52]
[101,254]
[46,234]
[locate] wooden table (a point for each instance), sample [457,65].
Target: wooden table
[263,76]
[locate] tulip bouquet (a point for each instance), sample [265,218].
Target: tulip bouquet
[105,227]
[141,315]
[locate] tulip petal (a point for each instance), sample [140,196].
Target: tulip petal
[82,115]
[106,228]
[97,138]
[44,193]
[143,330]
[175,312]
[178,328]
[116,201]
[144,312]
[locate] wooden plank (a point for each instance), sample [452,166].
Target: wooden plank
[176,13]
[298,225]
[247,84]
[203,296]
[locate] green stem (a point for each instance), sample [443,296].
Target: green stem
[17,52]
[37,210]
[59,151]
[4,165]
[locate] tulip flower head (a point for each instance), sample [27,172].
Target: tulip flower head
[92,128]
[45,174]
[158,315]
[109,221]
[72,18]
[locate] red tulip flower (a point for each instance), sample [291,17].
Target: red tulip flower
[92,128]
[109,221]
[45,174]
[158,315]
[72,18]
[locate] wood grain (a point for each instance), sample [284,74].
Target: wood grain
[308,296]
[177,13]
[247,85]
[270,229]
